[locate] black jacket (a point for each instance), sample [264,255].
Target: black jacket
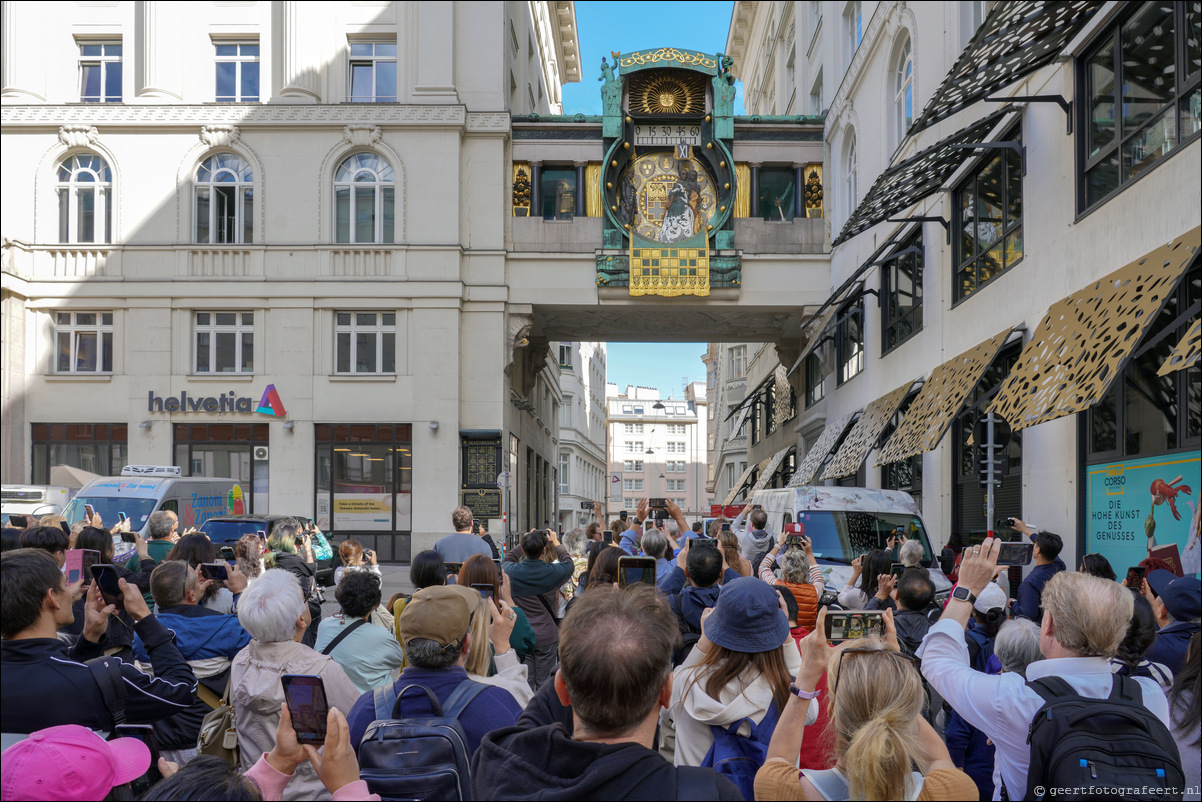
[544,763]
[43,683]
[545,708]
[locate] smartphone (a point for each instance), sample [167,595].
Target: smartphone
[1016,554]
[215,571]
[485,590]
[305,696]
[633,570]
[1135,576]
[897,569]
[658,504]
[1004,523]
[262,535]
[19,521]
[622,515]
[90,512]
[756,507]
[608,536]
[227,553]
[106,579]
[726,526]
[794,541]
[498,564]
[453,568]
[129,537]
[145,734]
[704,541]
[846,625]
[79,564]
[122,517]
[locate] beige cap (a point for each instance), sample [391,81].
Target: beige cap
[441,613]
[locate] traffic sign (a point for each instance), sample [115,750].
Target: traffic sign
[1001,431]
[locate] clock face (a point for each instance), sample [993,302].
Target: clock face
[690,207]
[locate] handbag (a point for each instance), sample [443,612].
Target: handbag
[218,732]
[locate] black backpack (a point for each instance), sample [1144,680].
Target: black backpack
[422,758]
[1085,743]
[689,635]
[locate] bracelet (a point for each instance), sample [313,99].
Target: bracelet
[800,694]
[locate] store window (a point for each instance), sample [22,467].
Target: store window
[236,451]
[849,342]
[99,448]
[364,484]
[778,193]
[990,226]
[83,342]
[558,192]
[1141,98]
[901,293]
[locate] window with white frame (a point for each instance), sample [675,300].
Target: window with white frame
[84,342]
[675,428]
[85,199]
[674,466]
[630,503]
[627,409]
[737,362]
[681,502]
[373,72]
[100,72]
[225,197]
[635,465]
[364,200]
[675,448]
[565,356]
[633,446]
[675,485]
[365,342]
[632,485]
[564,463]
[816,94]
[849,178]
[632,428]
[853,25]
[903,90]
[237,65]
[224,342]
[565,412]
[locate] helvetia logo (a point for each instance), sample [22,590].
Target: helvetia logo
[270,403]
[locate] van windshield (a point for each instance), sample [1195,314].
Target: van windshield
[138,510]
[841,536]
[231,531]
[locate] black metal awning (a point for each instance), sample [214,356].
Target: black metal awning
[921,175]
[750,397]
[1016,39]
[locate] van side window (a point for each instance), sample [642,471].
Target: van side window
[788,517]
[170,505]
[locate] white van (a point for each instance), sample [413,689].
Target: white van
[845,522]
[33,500]
[143,489]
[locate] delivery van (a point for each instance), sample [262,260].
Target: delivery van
[144,489]
[33,500]
[846,522]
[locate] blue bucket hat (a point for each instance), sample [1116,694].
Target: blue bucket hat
[1182,597]
[747,617]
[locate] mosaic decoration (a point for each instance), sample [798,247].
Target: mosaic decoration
[864,434]
[939,401]
[923,174]
[661,92]
[687,58]
[1084,340]
[1185,353]
[784,402]
[1016,39]
[808,469]
[770,469]
[674,199]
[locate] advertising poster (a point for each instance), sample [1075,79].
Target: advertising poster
[1138,505]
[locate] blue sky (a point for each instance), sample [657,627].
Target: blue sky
[625,27]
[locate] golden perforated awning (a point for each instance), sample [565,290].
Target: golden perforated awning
[863,435]
[767,472]
[1084,340]
[817,452]
[940,401]
[738,486]
[1185,353]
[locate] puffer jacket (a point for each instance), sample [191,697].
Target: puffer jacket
[807,602]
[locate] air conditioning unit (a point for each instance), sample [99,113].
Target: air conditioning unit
[260,453]
[151,470]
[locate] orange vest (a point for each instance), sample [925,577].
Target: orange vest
[807,603]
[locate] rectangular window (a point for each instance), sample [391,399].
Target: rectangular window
[675,448]
[559,192]
[100,72]
[632,428]
[84,342]
[373,72]
[814,377]
[816,94]
[990,204]
[365,342]
[629,504]
[675,428]
[778,193]
[1141,96]
[737,362]
[849,342]
[634,446]
[675,485]
[237,66]
[565,356]
[565,413]
[564,461]
[634,465]
[364,483]
[853,25]
[632,485]
[100,448]
[224,342]
[901,293]
[675,466]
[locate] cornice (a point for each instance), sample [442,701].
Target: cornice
[249,116]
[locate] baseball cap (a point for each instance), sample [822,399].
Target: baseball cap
[991,598]
[1183,598]
[1159,581]
[70,762]
[747,617]
[441,613]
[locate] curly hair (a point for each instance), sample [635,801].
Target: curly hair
[358,593]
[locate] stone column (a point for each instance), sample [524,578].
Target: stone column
[19,52]
[799,190]
[536,189]
[755,189]
[158,51]
[435,54]
[293,70]
[580,189]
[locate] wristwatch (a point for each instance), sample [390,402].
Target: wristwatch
[637,522]
[962,593]
[800,694]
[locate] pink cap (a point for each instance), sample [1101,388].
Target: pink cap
[70,762]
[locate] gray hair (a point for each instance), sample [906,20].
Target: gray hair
[654,543]
[270,607]
[575,541]
[911,553]
[794,567]
[1017,645]
[426,653]
[160,524]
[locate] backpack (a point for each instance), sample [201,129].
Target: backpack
[1086,743]
[423,758]
[689,635]
[739,757]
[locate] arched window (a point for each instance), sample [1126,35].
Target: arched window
[903,91]
[364,199]
[85,194]
[849,178]
[225,195]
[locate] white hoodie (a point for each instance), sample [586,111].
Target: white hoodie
[693,710]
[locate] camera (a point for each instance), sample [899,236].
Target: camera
[1004,523]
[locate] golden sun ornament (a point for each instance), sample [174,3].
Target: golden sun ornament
[666,94]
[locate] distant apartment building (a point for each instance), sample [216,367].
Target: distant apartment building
[581,471]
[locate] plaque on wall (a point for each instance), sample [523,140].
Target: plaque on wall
[481,462]
[483,503]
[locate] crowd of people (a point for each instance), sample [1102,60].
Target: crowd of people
[549,669]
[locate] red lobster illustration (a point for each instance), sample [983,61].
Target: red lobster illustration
[1163,491]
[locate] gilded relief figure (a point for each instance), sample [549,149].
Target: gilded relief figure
[684,200]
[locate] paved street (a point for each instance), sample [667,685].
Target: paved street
[396,580]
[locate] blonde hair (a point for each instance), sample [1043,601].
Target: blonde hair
[1090,615]
[875,704]
[479,656]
